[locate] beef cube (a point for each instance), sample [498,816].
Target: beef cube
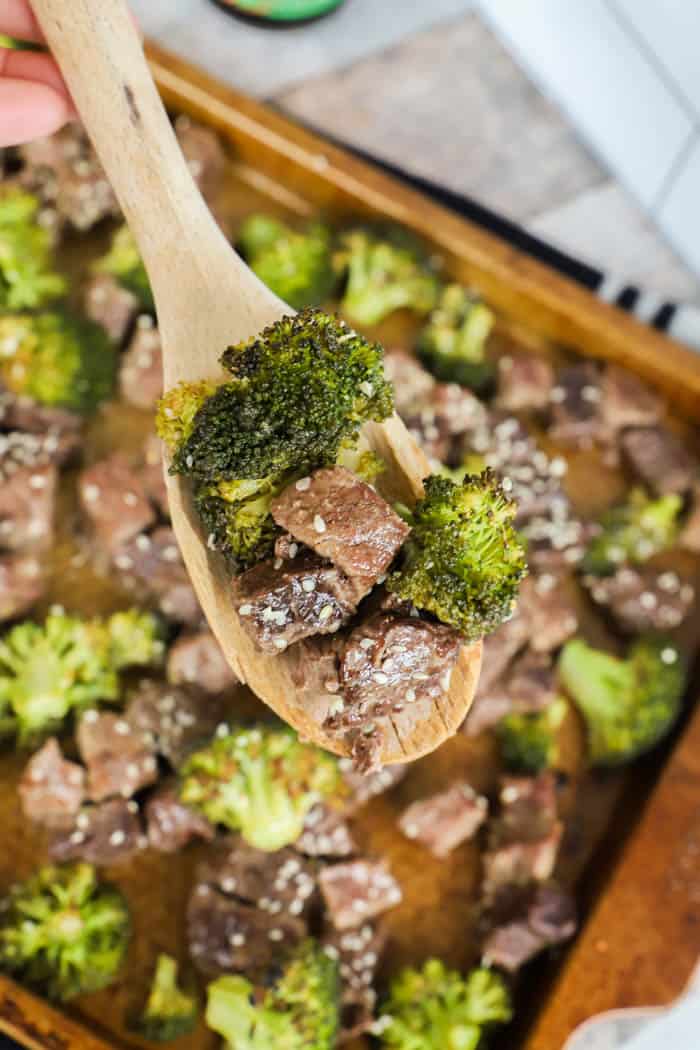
[448,413]
[412,383]
[660,459]
[529,685]
[170,824]
[118,759]
[109,304]
[365,746]
[173,720]
[27,506]
[556,540]
[626,401]
[20,449]
[276,882]
[22,584]
[548,610]
[197,659]
[576,416]
[25,414]
[690,536]
[51,790]
[358,953]
[357,890]
[364,788]
[315,671]
[525,382]
[643,600]
[153,561]
[103,834]
[325,834]
[390,661]
[153,475]
[500,648]
[549,918]
[344,520]
[115,501]
[141,368]
[443,821]
[204,154]
[512,945]
[552,913]
[303,597]
[520,863]
[528,808]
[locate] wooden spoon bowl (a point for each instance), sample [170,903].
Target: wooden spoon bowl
[207,299]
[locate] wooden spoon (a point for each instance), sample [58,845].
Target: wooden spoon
[207,299]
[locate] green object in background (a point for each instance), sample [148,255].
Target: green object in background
[280,10]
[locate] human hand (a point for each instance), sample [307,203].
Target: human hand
[34,100]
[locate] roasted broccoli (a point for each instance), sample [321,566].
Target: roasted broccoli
[62,932]
[68,664]
[453,343]
[169,1012]
[299,1012]
[301,392]
[27,279]
[633,532]
[295,265]
[123,261]
[628,704]
[438,1009]
[382,274]
[261,782]
[463,561]
[57,359]
[530,742]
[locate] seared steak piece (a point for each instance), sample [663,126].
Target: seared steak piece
[525,382]
[357,890]
[366,746]
[115,501]
[27,506]
[153,561]
[690,536]
[118,759]
[174,720]
[196,659]
[364,787]
[548,610]
[443,821]
[358,953]
[170,824]
[412,383]
[153,476]
[500,647]
[22,584]
[276,882]
[528,808]
[325,834]
[660,459]
[576,417]
[344,520]
[447,413]
[103,834]
[57,428]
[51,790]
[642,600]
[300,598]
[109,304]
[548,918]
[556,540]
[626,401]
[529,685]
[520,863]
[141,368]
[203,152]
[391,661]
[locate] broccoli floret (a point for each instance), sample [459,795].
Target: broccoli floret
[67,664]
[261,782]
[62,932]
[136,639]
[382,274]
[123,261]
[295,265]
[633,532]
[169,1012]
[463,561]
[236,517]
[453,343]
[530,742]
[57,359]
[438,1009]
[27,278]
[300,1012]
[177,409]
[628,704]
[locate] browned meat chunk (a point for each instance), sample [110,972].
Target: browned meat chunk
[443,821]
[109,304]
[325,834]
[344,520]
[520,863]
[203,152]
[500,647]
[299,598]
[113,498]
[141,368]
[556,540]
[118,759]
[170,824]
[413,384]
[530,685]
[58,428]
[103,834]
[27,506]
[549,918]
[22,583]
[626,401]
[173,720]
[448,412]
[52,790]
[660,459]
[547,606]
[364,788]
[152,474]
[153,562]
[197,659]
[389,662]
[358,953]
[357,890]
[690,536]
[528,808]
[576,417]
[643,600]
[525,382]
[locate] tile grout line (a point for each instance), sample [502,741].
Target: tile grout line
[673,172]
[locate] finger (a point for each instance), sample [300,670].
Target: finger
[34,66]
[30,111]
[17,20]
